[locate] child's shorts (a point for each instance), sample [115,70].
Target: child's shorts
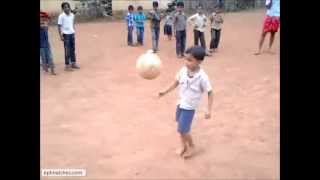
[168,30]
[271,24]
[184,118]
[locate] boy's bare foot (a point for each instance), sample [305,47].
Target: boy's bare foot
[188,153]
[179,56]
[257,53]
[181,151]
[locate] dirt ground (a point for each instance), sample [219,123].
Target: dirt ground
[106,119]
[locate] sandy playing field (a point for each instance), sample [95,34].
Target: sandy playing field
[106,119]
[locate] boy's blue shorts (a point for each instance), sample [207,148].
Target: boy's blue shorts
[184,118]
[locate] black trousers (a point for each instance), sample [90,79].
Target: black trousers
[215,38]
[69,49]
[199,36]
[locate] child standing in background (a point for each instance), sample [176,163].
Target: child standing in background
[199,23]
[45,50]
[66,29]
[130,24]
[180,26]
[168,26]
[139,19]
[155,17]
[216,22]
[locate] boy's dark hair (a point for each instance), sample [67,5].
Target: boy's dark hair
[140,8]
[155,4]
[130,7]
[65,4]
[197,52]
[180,4]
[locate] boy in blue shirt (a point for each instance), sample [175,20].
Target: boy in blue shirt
[139,19]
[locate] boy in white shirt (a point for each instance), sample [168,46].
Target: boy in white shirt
[198,21]
[66,31]
[193,82]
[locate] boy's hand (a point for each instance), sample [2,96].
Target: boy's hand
[207,115]
[162,93]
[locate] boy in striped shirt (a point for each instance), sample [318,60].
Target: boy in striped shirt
[139,19]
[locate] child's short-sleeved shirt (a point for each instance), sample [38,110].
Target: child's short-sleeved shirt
[198,21]
[139,19]
[275,9]
[155,18]
[66,22]
[130,19]
[217,21]
[180,21]
[169,20]
[191,89]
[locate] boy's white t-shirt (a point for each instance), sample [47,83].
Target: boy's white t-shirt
[66,22]
[198,21]
[191,89]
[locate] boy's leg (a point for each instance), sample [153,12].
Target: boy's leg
[218,34]
[129,36]
[183,41]
[157,37]
[50,60]
[196,37]
[212,39]
[272,35]
[178,43]
[184,145]
[66,42]
[202,40]
[184,126]
[142,35]
[73,52]
[190,149]
[153,33]
[138,35]
[263,35]
[43,59]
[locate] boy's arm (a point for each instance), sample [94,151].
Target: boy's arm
[210,101]
[60,34]
[174,24]
[170,88]
[59,27]
[74,24]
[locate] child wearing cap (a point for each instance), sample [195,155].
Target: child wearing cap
[45,50]
[192,82]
